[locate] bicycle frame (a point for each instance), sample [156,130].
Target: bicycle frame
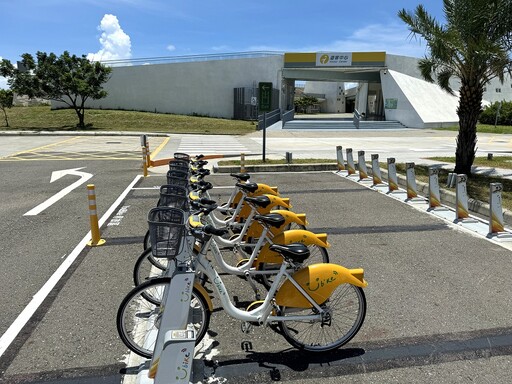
[263,314]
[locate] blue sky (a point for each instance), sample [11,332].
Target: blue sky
[123,29]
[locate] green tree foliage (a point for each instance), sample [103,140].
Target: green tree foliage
[474,46]
[6,100]
[69,79]
[489,113]
[302,103]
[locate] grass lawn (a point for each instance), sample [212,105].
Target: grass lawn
[42,118]
[484,128]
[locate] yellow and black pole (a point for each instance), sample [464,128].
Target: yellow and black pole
[242,162]
[145,160]
[93,216]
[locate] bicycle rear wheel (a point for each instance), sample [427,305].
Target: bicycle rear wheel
[138,319]
[346,309]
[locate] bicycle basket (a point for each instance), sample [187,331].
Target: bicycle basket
[179,168]
[181,156]
[178,173]
[178,181]
[166,231]
[173,196]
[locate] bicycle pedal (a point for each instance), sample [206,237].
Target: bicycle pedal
[246,327]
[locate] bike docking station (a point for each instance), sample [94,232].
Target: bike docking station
[493,229]
[174,338]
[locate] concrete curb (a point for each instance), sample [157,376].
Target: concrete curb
[79,133]
[277,168]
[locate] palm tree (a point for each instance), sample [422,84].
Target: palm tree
[473,46]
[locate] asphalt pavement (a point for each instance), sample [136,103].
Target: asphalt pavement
[438,297]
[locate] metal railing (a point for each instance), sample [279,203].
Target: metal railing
[268,118]
[189,58]
[288,116]
[357,118]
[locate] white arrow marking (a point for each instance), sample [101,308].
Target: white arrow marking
[56,175]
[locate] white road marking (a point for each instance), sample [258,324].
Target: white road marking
[25,315]
[84,176]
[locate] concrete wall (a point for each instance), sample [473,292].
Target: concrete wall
[334,95]
[420,104]
[204,88]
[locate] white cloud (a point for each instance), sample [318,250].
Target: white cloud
[171,47]
[391,38]
[115,43]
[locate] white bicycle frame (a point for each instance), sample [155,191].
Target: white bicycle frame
[262,314]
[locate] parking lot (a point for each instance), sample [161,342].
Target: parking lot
[438,297]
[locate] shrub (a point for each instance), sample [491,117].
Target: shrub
[488,115]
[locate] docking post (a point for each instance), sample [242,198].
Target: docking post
[339,157]
[377,177]
[496,222]
[93,216]
[351,168]
[361,165]
[412,191]
[461,193]
[434,194]
[392,178]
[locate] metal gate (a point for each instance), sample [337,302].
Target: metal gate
[246,103]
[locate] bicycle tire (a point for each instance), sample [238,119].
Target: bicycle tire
[347,308]
[138,319]
[145,269]
[317,255]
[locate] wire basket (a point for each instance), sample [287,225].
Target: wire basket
[173,196]
[166,231]
[177,181]
[181,156]
[179,167]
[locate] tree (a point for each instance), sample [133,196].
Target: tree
[6,100]
[69,79]
[473,46]
[304,102]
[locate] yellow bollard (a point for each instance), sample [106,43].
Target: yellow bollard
[144,161]
[148,156]
[93,216]
[242,162]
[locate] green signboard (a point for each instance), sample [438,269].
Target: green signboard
[265,97]
[390,103]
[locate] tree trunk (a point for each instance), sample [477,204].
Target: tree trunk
[6,119]
[81,117]
[469,109]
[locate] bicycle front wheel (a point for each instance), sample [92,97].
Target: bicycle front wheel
[346,310]
[138,320]
[144,268]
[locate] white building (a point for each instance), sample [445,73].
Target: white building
[389,87]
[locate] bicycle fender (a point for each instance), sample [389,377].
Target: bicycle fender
[319,281]
[287,237]
[275,201]
[200,289]
[262,190]
[256,228]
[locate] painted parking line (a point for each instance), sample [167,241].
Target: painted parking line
[15,328]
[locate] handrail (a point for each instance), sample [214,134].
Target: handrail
[357,118]
[266,119]
[288,116]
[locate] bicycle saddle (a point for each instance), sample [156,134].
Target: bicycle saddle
[249,187]
[260,201]
[272,219]
[297,252]
[241,176]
